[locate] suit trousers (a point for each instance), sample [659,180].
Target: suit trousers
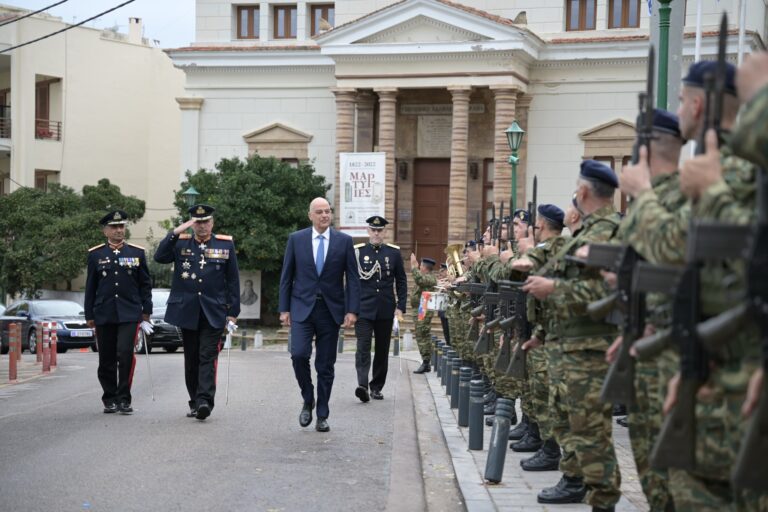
[382,330]
[321,326]
[116,360]
[201,358]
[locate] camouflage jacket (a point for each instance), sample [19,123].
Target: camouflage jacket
[577,286]
[544,326]
[750,136]
[424,282]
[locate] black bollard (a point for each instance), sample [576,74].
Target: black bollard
[476,415]
[439,357]
[455,382]
[341,341]
[447,359]
[465,375]
[243,340]
[449,375]
[497,451]
[443,366]
[433,359]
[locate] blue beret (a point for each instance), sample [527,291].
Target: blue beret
[593,170]
[114,218]
[523,215]
[698,70]
[552,213]
[201,212]
[470,243]
[428,261]
[376,222]
[666,122]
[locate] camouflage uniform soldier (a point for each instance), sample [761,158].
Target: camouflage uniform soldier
[425,281]
[568,290]
[645,417]
[458,315]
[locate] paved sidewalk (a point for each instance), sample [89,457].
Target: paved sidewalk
[518,489]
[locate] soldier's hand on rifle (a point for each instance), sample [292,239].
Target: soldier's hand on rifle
[582,252]
[609,278]
[501,340]
[753,393]
[459,280]
[505,255]
[702,171]
[532,343]
[636,179]
[522,264]
[490,250]
[474,257]
[539,287]
[671,398]
[613,351]
[752,75]
[414,262]
[649,330]
[525,244]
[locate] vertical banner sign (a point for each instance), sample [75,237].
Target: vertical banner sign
[362,190]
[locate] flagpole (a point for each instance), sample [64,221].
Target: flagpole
[742,29]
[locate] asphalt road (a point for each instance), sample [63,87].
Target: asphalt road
[60,452]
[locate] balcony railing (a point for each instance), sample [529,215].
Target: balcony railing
[47,130]
[5,127]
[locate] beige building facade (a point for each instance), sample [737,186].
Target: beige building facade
[433,84]
[89,104]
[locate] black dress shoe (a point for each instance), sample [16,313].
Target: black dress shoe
[424,368]
[362,393]
[203,410]
[322,425]
[305,418]
[125,408]
[376,394]
[192,413]
[528,443]
[568,490]
[110,408]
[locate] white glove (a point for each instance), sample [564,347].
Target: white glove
[147,327]
[231,326]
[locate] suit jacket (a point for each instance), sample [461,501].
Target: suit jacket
[300,284]
[118,288]
[377,292]
[204,279]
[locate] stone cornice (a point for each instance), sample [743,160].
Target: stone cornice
[190,103]
[259,69]
[384,36]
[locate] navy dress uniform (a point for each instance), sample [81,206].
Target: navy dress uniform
[204,292]
[382,274]
[118,294]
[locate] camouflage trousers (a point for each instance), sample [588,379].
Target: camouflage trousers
[589,420]
[644,420]
[719,432]
[424,335]
[537,394]
[458,326]
[489,359]
[507,386]
[558,410]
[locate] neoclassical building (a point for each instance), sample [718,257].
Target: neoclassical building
[432,84]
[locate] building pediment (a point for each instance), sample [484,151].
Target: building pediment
[277,133]
[422,29]
[618,129]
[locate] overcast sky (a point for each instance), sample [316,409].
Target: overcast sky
[172,22]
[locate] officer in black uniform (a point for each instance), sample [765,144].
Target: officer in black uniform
[204,300]
[381,272]
[118,295]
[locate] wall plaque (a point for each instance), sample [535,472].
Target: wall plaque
[434,136]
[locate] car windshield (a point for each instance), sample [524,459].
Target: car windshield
[160,298]
[57,308]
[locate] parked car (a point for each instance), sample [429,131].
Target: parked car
[68,318]
[165,335]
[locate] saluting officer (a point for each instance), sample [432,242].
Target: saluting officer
[118,295]
[205,298]
[382,273]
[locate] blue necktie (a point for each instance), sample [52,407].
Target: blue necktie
[320,259]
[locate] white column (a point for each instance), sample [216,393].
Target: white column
[190,134]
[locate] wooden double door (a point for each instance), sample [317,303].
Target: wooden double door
[430,207]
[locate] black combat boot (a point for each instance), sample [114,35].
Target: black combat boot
[603,509]
[424,368]
[622,422]
[570,489]
[619,410]
[531,441]
[546,459]
[520,430]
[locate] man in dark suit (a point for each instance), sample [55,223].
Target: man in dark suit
[118,295]
[205,298]
[313,303]
[381,271]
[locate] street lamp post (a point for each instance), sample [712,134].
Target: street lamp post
[515,136]
[190,195]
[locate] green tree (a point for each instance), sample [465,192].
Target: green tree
[259,201]
[47,234]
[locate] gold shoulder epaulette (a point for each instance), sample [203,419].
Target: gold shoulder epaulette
[223,237]
[96,247]
[185,236]
[394,246]
[358,246]
[136,246]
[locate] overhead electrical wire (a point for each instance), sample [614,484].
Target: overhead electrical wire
[17,18]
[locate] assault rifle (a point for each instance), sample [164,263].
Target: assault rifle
[499,223]
[491,299]
[505,308]
[476,291]
[516,327]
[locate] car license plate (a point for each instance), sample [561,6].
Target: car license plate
[83,333]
